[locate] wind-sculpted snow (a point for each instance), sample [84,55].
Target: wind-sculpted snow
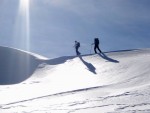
[112,82]
[16,66]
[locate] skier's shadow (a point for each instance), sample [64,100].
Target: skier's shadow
[89,66]
[108,58]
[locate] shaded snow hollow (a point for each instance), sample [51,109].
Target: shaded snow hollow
[16,65]
[112,82]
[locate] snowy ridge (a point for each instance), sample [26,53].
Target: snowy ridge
[113,82]
[16,65]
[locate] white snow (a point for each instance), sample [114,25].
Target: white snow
[113,82]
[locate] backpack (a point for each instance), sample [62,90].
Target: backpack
[78,44]
[96,41]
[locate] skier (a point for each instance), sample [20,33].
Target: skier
[77,45]
[96,45]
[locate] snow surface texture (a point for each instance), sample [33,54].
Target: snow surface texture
[113,82]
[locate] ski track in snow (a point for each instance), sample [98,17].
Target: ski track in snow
[59,103]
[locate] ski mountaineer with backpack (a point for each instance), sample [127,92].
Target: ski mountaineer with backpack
[77,45]
[96,45]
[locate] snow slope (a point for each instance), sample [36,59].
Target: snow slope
[16,65]
[113,82]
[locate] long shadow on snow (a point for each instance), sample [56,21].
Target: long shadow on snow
[59,60]
[90,67]
[63,59]
[108,58]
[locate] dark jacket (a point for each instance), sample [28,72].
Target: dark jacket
[96,41]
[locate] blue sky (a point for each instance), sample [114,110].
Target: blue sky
[54,25]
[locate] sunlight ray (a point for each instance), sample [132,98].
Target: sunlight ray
[24,7]
[22,26]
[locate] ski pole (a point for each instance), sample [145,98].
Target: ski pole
[91,49]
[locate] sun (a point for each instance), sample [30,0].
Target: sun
[24,5]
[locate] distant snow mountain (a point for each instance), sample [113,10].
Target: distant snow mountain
[113,82]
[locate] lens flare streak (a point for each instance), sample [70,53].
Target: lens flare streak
[25,22]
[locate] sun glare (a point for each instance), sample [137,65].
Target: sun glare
[24,5]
